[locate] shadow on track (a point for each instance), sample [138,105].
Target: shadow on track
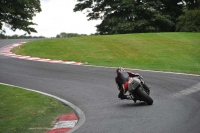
[138,104]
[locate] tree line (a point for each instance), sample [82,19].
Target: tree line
[135,16]
[66,35]
[2,36]
[118,16]
[61,35]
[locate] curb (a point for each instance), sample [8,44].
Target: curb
[66,123]
[6,51]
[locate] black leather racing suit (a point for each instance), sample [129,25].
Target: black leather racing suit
[122,92]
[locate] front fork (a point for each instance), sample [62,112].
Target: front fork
[144,86]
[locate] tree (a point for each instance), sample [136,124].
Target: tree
[66,35]
[2,36]
[172,8]
[18,14]
[192,4]
[128,16]
[190,20]
[136,16]
[63,34]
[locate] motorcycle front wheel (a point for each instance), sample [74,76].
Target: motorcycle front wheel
[144,96]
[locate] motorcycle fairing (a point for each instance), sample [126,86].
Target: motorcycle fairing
[133,84]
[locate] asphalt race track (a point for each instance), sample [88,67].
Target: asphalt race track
[176,107]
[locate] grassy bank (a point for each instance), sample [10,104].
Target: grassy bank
[23,111]
[178,52]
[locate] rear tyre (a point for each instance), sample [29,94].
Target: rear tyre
[144,96]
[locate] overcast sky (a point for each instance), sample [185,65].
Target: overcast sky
[57,16]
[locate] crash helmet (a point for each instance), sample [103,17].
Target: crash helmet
[120,69]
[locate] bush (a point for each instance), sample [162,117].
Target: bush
[189,22]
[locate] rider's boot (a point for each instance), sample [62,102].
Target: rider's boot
[131,97]
[134,100]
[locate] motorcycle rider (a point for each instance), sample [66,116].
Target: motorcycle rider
[123,83]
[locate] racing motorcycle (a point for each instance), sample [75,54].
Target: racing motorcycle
[136,87]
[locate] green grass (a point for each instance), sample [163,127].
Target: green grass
[21,110]
[177,52]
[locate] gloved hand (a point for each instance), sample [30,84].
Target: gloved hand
[140,77]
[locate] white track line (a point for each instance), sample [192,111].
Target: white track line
[188,91]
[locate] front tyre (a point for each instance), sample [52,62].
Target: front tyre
[144,96]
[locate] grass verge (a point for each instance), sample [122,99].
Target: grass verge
[176,52]
[23,111]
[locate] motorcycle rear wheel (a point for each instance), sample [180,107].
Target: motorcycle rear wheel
[144,96]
